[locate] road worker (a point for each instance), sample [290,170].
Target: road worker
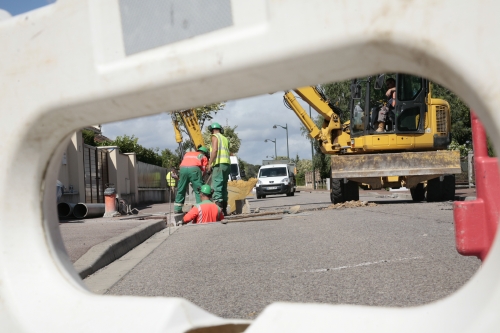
[219,165]
[192,169]
[172,178]
[206,211]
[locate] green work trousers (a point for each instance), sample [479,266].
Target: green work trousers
[220,176]
[187,175]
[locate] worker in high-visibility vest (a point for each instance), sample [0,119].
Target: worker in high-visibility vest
[206,211]
[219,165]
[192,169]
[172,178]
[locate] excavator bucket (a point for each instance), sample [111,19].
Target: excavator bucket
[238,190]
[403,164]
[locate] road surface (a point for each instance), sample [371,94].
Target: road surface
[398,253]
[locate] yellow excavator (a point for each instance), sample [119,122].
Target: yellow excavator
[393,141]
[237,189]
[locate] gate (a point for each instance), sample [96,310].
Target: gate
[95,164]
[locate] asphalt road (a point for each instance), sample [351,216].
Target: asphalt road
[397,253]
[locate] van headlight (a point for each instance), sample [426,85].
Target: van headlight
[285,180]
[259,182]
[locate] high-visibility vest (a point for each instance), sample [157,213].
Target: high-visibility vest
[192,159]
[222,150]
[204,212]
[170,179]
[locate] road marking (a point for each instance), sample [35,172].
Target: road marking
[359,265]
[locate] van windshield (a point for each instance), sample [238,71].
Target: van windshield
[272,172]
[234,170]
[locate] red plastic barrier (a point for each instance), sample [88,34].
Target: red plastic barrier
[476,221]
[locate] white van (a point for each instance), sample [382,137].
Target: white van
[235,173]
[275,179]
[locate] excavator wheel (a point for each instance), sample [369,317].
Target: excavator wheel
[418,192]
[336,190]
[351,191]
[448,185]
[341,191]
[434,190]
[441,189]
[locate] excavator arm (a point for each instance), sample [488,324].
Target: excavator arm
[331,131]
[190,121]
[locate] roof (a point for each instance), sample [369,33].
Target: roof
[269,166]
[101,138]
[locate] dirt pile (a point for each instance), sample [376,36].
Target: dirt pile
[238,190]
[352,204]
[243,183]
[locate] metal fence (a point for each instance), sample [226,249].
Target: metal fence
[95,163]
[151,176]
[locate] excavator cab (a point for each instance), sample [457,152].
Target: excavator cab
[372,112]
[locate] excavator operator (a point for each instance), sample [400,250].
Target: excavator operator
[220,165]
[391,92]
[192,168]
[387,111]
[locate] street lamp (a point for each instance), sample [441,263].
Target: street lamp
[286,127]
[274,145]
[312,156]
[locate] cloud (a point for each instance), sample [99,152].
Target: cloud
[254,116]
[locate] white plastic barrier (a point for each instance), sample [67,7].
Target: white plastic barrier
[77,62]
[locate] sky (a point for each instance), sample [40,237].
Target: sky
[16,7]
[254,117]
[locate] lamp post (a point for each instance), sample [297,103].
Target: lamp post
[286,128]
[274,145]
[312,157]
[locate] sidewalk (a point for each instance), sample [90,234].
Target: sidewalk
[96,242]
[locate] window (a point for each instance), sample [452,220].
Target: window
[273,172]
[234,169]
[409,119]
[358,119]
[409,87]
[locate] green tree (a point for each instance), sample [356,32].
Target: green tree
[203,114]
[320,161]
[207,112]
[242,166]
[251,170]
[302,167]
[88,137]
[231,135]
[461,131]
[339,94]
[170,159]
[128,144]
